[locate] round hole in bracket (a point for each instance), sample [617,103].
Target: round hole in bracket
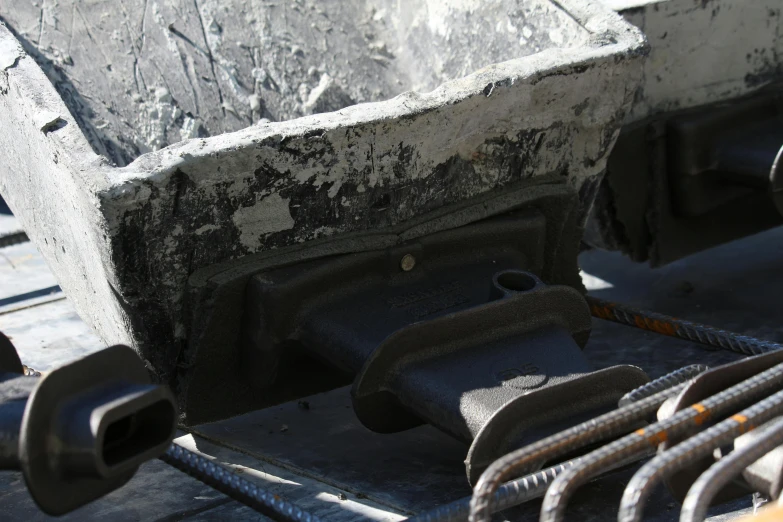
[516,281]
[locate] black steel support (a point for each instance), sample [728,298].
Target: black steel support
[455,329]
[82,430]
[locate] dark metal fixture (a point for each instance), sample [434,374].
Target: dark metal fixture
[468,339]
[82,430]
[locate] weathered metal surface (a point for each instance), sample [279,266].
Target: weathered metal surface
[123,241]
[220,291]
[733,286]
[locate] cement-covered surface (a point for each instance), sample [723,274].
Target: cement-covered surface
[143,75]
[704,56]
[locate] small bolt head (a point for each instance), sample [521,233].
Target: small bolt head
[407,262]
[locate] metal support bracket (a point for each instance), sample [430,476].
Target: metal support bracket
[454,329]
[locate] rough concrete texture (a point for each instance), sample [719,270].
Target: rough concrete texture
[140,75]
[704,51]
[124,241]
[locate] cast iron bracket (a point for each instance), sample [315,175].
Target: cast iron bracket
[454,329]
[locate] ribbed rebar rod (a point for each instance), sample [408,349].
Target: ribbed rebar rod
[683,422]
[663,383]
[614,423]
[673,327]
[699,498]
[234,486]
[689,451]
[569,440]
[508,495]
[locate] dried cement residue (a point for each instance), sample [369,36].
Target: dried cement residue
[139,75]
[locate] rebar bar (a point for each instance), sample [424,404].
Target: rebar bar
[508,495]
[616,422]
[701,493]
[673,327]
[689,451]
[638,443]
[234,486]
[663,383]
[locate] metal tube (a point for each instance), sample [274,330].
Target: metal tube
[642,483]
[234,486]
[104,415]
[662,383]
[523,460]
[11,414]
[666,325]
[699,498]
[640,442]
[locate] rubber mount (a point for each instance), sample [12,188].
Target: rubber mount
[54,493]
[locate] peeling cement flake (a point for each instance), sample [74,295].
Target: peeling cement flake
[269,215]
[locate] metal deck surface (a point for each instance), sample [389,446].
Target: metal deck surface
[321,458]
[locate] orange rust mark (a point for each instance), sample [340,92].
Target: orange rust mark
[654,325]
[657,438]
[654,438]
[742,420]
[663,328]
[703,414]
[602,312]
[640,322]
